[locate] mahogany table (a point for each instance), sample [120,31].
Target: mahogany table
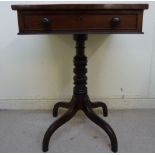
[80,20]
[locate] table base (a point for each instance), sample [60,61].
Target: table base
[80,100]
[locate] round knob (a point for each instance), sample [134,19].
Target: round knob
[80,18]
[115,21]
[45,22]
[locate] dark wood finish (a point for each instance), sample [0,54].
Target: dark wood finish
[81,7]
[97,18]
[72,22]
[80,99]
[80,20]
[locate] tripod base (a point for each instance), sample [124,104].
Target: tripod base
[80,103]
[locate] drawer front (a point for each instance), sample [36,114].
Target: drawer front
[41,23]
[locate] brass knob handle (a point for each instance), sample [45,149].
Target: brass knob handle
[46,22]
[115,21]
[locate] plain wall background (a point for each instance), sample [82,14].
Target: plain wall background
[36,70]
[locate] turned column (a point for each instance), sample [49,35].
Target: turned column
[80,62]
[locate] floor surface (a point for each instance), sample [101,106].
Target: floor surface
[22,131]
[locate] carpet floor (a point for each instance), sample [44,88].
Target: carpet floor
[23,131]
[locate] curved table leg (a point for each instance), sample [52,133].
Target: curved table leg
[62,120]
[100,104]
[58,105]
[104,125]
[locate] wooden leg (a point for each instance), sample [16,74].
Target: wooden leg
[100,104]
[104,125]
[62,120]
[58,105]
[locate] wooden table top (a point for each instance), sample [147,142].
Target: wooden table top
[80,18]
[80,6]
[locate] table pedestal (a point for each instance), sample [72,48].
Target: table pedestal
[80,99]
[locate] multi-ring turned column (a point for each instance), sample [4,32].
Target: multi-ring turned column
[80,99]
[80,70]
